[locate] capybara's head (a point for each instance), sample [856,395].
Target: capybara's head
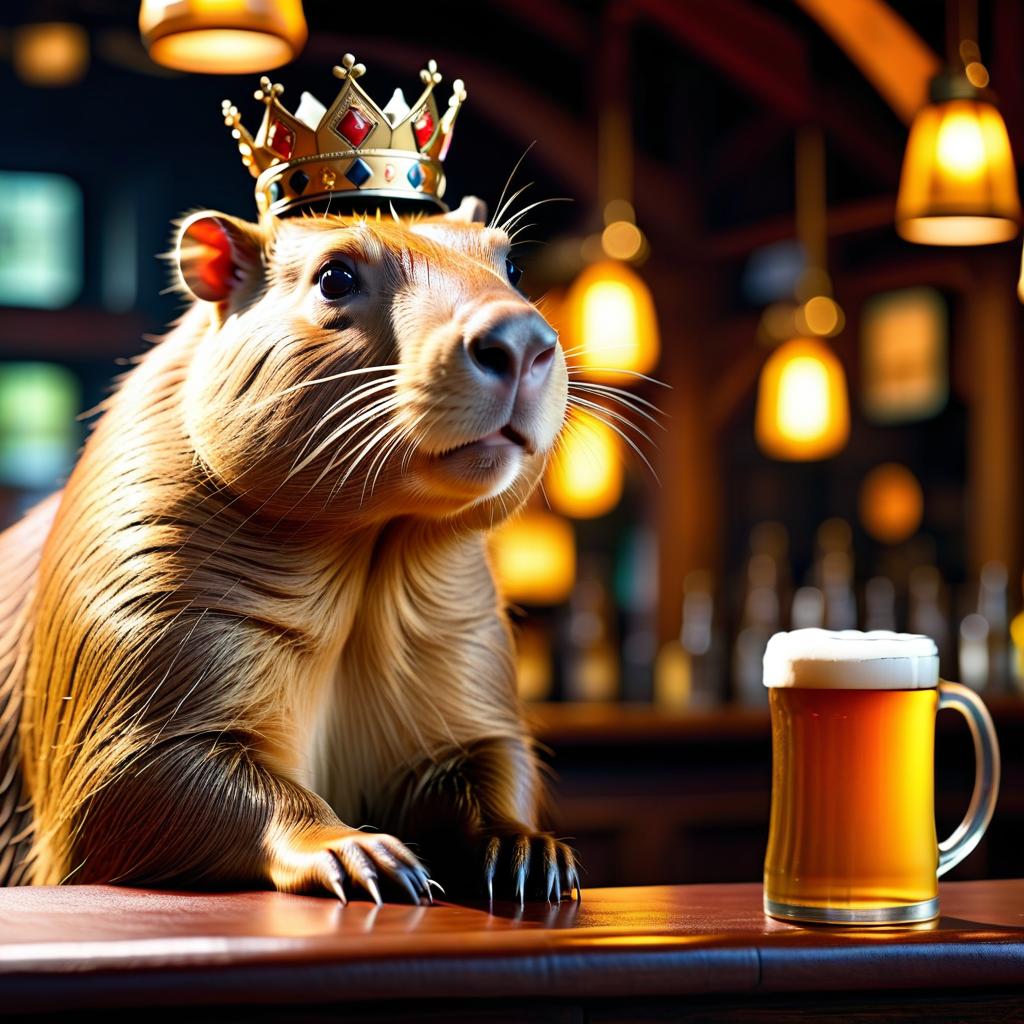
[367,367]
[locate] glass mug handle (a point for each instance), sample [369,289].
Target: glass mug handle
[986,779]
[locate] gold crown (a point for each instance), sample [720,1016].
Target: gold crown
[352,147]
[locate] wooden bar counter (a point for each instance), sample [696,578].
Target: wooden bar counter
[658,952]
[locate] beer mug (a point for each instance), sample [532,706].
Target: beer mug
[852,835]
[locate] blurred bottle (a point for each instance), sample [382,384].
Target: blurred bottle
[974,654]
[835,573]
[880,603]
[686,672]
[808,609]
[1017,652]
[636,593]
[771,539]
[592,672]
[761,618]
[993,608]
[926,613]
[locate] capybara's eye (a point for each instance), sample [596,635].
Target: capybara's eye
[514,272]
[337,280]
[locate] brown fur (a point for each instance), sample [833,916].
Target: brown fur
[243,636]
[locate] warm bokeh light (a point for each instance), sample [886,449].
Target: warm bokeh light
[622,240]
[584,477]
[822,316]
[904,372]
[891,503]
[977,74]
[803,410]
[223,36]
[534,558]
[51,53]
[609,323]
[959,185]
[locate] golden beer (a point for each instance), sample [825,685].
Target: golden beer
[852,836]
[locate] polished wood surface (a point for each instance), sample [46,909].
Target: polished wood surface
[104,946]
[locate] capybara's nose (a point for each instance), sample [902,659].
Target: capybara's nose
[515,352]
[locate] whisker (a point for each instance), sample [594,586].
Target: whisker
[326,380]
[632,402]
[586,403]
[357,394]
[576,371]
[504,203]
[508,181]
[374,411]
[513,220]
[625,437]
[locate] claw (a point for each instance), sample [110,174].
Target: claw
[490,864]
[436,885]
[370,884]
[574,880]
[338,891]
[521,867]
[552,887]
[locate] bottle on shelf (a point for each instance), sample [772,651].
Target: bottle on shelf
[835,573]
[686,672]
[926,612]
[880,603]
[808,610]
[993,608]
[761,618]
[592,670]
[1017,653]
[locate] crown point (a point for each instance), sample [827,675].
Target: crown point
[348,68]
[429,75]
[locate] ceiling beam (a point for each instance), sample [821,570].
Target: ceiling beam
[769,60]
[888,52]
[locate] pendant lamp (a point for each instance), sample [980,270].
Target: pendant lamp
[803,411]
[223,37]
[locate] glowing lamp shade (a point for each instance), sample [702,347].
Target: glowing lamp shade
[803,412]
[534,558]
[958,185]
[611,324]
[891,503]
[584,477]
[223,37]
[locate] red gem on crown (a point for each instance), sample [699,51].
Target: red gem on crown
[281,139]
[423,129]
[354,126]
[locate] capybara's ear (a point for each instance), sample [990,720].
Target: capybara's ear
[470,211]
[215,254]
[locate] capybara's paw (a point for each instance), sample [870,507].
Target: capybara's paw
[328,858]
[529,865]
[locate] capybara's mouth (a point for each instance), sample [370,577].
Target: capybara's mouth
[497,442]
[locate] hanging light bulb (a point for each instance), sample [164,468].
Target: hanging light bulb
[223,37]
[584,477]
[803,411]
[958,185]
[610,322]
[534,558]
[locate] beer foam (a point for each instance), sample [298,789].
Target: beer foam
[821,659]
